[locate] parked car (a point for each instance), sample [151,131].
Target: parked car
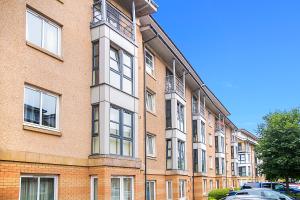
[270,185]
[259,193]
[245,197]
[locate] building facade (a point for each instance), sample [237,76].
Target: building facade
[97,102]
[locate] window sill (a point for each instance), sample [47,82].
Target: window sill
[44,51]
[41,130]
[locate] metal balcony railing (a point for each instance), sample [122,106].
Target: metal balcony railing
[197,111]
[115,18]
[177,87]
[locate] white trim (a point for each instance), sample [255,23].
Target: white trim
[154,187]
[38,190]
[41,104]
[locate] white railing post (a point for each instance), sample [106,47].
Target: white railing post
[133,21]
[183,83]
[174,75]
[103,10]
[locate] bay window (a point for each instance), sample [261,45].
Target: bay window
[168,114]
[40,108]
[195,158]
[95,73]
[95,130]
[180,116]
[181,155]
[121,132]
[203,132]
[169,153]
[203,160]
[43,33]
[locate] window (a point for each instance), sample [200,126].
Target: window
[242,171]
[217,166]
[150,190]
[168,114]
[150,101]
[233,169]
[43,33]
[169,190]
[240,147]
[195,156]
[121,188]
[180,116]
[223,166]
[121,65]
[95,75]
[181,155]
[169,153]
[40,108]
[242,158]
[217,184]
[38,187]
[203,162]
[182,189]
[211,185]
[203,132]
[204,186]
[195,130]
[121,132]
[211,162]
[94,188]
[222,145]
[217,144]
[232,152]
[95,130]
[151,145]
[149,59]
[194,104]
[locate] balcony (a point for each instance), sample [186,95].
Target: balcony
[198,111]
[177,87]
[220,126]
[114,18]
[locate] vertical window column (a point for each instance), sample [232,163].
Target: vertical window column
[95,69]
[95,130]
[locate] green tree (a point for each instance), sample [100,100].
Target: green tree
[279,146]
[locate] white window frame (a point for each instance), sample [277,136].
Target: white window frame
[41,104]
[150,96]
[182,193]
[92,186]
[44,20]
[167,194]
[122,185]
[153,144]
[38,189]
[148,70]
[204,186]
[154,188]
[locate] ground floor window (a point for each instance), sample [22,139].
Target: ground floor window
[122,188]
[182,189]
[204,186]
[169,190]
[211,185]
[38,187]
[150,190]
[94,188]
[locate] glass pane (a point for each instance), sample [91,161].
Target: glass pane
[127,189]
[127,72]
[127,148]
[95,145]
[32,106]
[114,114]
[34,29]
[114,146]
[115,80]
[127,60]
[46,188]
[114,64]
[115,189]
[127,86]
[127,132]
[95,189]
[114,128]
[127,119]
[49,110]
[51,38]
[169,190]
[29,188]
[114,59]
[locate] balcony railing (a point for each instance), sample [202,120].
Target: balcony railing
[200,111]
[220,126]
[177,87]
[115,18]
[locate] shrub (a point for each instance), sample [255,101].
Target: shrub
[218,193]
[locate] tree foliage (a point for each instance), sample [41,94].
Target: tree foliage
[279,145]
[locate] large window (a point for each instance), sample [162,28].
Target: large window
[150,190]
[40,108]
[223,166]
[180,116]
[217,144]
[168,114]
[95,130]
[182,189]
[242,171]
[121,132]
[38,187]
[169,190]
[203,160]
[181,155]
[169,153]
[217,166]
[94,188]
[149,59]
[121,188]
[150,101]
[203,132]
[195,130]
[195,157]
[194,104]
[121,73]
[95,76]
[150,145]
[43,33]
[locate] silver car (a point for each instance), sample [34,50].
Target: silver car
[259,193]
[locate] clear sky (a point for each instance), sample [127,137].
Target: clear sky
[246,51]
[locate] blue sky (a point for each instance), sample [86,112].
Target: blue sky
[246,51]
